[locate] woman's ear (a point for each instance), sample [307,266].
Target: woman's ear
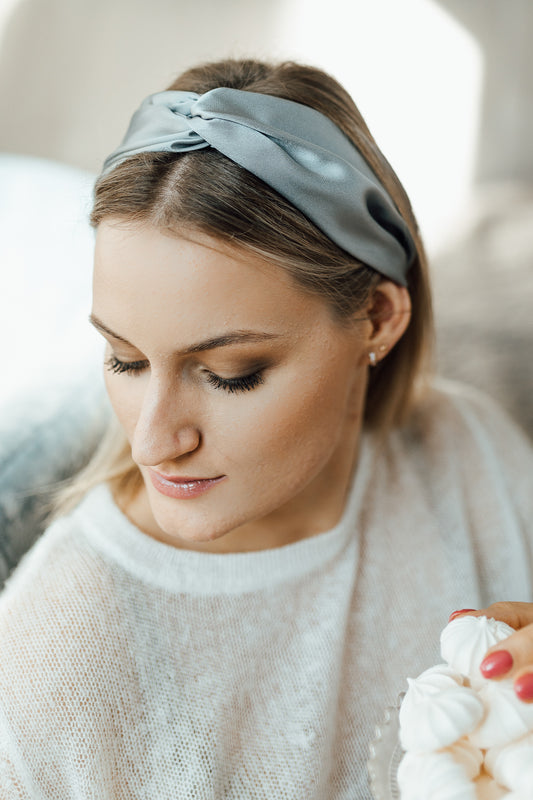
[389,313]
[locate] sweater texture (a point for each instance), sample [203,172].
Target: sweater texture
[132,670]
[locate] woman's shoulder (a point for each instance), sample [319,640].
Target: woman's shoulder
[451,409]
[54,576]
[458,431]
[51,606]
[63,634]
[60,544]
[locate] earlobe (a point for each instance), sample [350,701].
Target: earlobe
[389,314]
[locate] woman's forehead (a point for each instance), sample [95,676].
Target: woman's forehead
[116,240]
[144,277]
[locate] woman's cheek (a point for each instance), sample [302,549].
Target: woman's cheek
[294,421]
[125,400]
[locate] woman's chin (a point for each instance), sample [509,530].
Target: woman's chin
[168,521]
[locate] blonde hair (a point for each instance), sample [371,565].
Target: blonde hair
[206,191]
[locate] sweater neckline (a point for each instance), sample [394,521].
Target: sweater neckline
[177,570]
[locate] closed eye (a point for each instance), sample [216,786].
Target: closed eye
[115,365]
[243,383]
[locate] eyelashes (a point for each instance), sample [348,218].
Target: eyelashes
[118,367]
[233,385]
[244,383]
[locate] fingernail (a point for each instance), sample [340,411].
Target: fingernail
[523,686]
[461,611]
[496,664]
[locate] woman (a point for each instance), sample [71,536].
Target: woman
[271,538]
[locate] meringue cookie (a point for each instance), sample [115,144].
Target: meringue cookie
[441,676]
[462,753]
[464,643]
[512,765]
[433,775]
[431,719]
[506,719]
[468,756]
[487,789]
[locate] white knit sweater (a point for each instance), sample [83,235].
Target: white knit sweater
[131,670]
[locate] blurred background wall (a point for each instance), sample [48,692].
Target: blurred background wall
[72,71]
[445,85]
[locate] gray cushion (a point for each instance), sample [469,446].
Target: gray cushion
[42,443]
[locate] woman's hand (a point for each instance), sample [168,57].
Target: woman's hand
[512,657]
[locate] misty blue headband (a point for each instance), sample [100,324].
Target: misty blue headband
[296,150]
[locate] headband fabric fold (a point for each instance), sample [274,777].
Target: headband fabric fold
[293,148]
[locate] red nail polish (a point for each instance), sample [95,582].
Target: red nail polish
[462,611]
[496,664]
[523,686]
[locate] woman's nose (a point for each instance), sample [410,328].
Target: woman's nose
[166,427]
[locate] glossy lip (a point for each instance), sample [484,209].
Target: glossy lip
[181,487]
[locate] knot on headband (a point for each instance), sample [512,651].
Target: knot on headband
[296,150]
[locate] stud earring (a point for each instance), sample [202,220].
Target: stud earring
[382,348]
[372,358]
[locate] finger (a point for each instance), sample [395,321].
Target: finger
[511,657]
[516,615]
[462,611]
[523,685]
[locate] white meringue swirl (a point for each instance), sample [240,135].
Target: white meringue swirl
[464,643]
[433,776]
[431,719]
[506,718]
[512,765]
[487,789]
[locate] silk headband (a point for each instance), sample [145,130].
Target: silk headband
[296,150]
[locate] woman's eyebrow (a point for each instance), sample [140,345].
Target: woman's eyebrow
[235,337]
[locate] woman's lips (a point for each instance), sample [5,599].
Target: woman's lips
[181,487]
